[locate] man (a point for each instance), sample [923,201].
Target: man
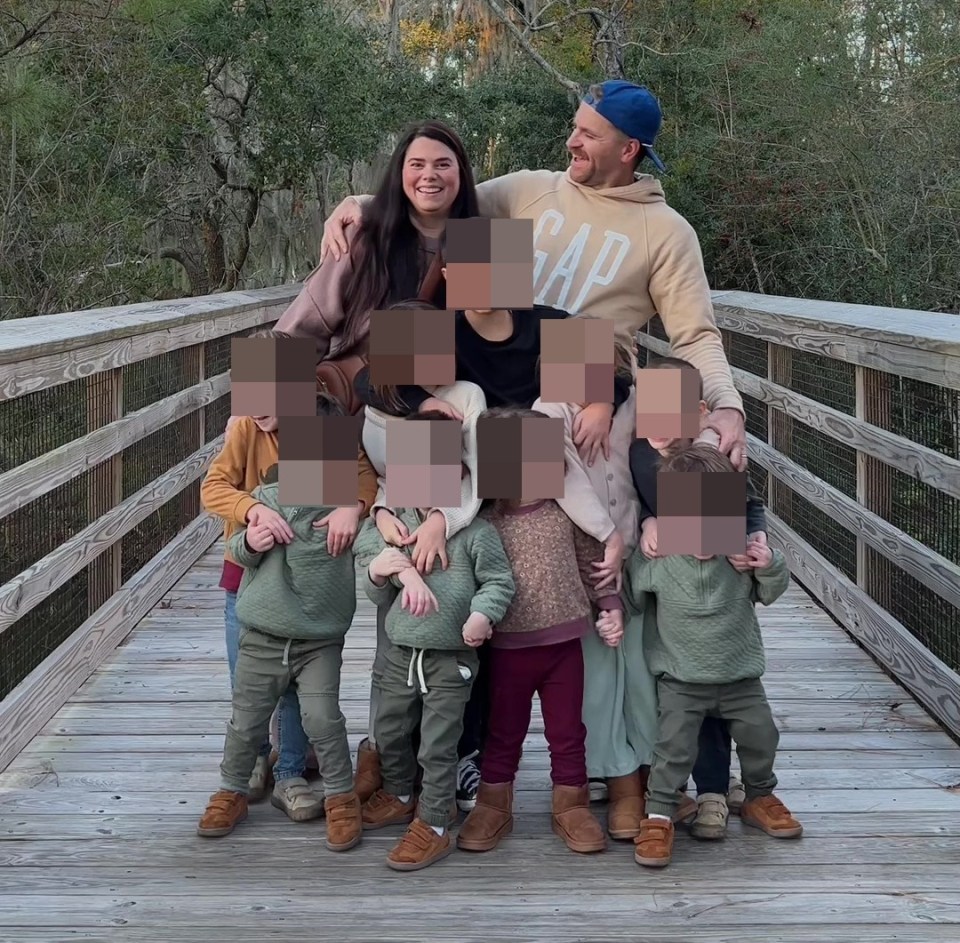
[607,243]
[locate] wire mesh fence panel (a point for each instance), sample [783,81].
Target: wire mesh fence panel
[32,425]
[828,381]
[33,637]
[143,463]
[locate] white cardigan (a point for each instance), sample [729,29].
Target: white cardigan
[602,498]
[469,400]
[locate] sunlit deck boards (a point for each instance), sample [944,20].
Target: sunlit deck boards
[97,820]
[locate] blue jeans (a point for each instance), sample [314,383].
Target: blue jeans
[292,749]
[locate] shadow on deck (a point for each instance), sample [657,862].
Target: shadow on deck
[97,819]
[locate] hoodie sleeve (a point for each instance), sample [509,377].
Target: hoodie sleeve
[240,550]
[367,485]
[681,295]
[756,514]
[317,311]
[492,571]
[367,545]
[589,551]
[500,196]
[638,578]
[580,501]
[770,583]
[222,492]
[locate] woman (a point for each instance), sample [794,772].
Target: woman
[427,181]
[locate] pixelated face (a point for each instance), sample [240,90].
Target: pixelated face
[701,514]
[273,377]
[489,264]
[424,463]
[519,458]
[668,406]
[318,460]
[413,347]
[576,361]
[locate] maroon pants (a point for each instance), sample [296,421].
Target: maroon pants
[555,672]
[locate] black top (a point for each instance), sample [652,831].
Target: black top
[505,370]
[643,469]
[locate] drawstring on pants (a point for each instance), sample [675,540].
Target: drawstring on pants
[416,658]
[286,652]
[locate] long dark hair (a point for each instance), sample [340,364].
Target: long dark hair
[386,253]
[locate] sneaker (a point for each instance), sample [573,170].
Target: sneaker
[769,814]
[344,822]
[419,848]
[382,809]
[260,779]
[224,812]
[468,782]
[295,798]
[598,790]
[736,795]
[653,847]
[711,821]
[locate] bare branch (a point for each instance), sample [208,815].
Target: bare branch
[525,44]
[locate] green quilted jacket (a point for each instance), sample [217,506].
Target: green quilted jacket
[295,590]
[478,579]
[706,627]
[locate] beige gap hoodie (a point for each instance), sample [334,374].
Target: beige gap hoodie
[620,253]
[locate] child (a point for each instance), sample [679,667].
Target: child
[620,693]
[295,605]
[707,654]
[718,793]
[426,544]
[433,627]
[537,648]
[250,448]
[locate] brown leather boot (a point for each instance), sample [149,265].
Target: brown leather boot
[344,825]
[625,795]
[491,819]
[574,822]
[367,779]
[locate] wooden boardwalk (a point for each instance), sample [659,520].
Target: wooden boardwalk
[97,820]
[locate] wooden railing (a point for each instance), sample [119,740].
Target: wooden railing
[108,420]
[867,514]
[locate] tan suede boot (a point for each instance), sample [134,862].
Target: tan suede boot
[491,819]
[367,779]
[626,805]
[574,822]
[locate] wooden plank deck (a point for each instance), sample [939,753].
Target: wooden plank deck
[97,820]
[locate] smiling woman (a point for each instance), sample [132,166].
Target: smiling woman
[395,254]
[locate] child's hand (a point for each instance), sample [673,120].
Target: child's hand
[477,629]
[388,562]
[431,542]
[740,562]
[591,431]
[610,626]
[759,554]
[609,569]
[262,516]
[648,538]
[259,538]
[342,526]
[417,598]
[392,529]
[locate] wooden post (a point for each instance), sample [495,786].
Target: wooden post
[105,484]
[874,483]
[780,430]
[193,369]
